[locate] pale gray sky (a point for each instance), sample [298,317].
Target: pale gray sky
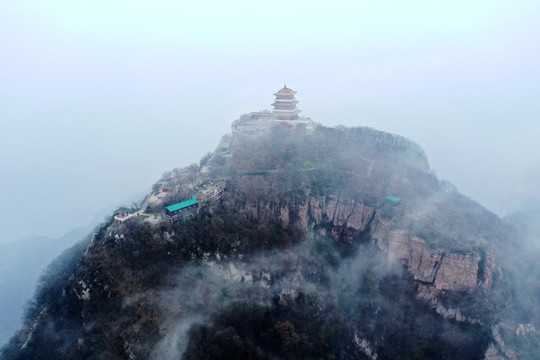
[98,98]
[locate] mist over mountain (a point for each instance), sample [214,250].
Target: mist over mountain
[524,194]
[290,239]
[95,99]
[313,242]
[21,264]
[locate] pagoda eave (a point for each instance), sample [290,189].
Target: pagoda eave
[285,93]
[286,102]
[287,111]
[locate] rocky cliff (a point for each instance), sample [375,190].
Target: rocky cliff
[343,217]
[439,268]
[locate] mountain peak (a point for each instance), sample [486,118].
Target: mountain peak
[284,244]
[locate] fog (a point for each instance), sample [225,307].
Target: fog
[204,290]
[99,97]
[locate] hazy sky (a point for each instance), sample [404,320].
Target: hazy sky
[99,98]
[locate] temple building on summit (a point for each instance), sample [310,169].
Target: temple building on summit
[285,105]
[284,114]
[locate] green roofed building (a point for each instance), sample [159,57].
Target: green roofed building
[393,200]
[183,210]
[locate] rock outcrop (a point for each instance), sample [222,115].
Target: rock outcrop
[364,346]
[435,270]
[493,354]
[508,352]
[431,295]
[524,330]
[344,217]
[439,268]
[340,212]
[499,349]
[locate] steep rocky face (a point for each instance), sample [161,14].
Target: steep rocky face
[343,216]
[340,212]
[439,268]
[435,271]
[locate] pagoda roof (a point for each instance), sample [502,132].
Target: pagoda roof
[287,111]
[285,91]
[279,102]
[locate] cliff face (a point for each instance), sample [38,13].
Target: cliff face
[439,268]
[341,213]
[343,217]
[434,271]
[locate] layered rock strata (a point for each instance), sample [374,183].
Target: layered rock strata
[344,217]
[438,268]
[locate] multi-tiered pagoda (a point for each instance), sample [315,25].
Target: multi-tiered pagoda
[285,105]
[284,113]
